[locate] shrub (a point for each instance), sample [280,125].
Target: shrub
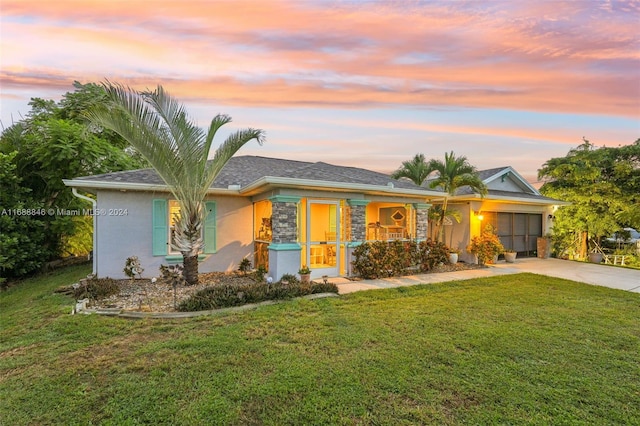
[486,246]
[245,266]
[431,254]
[96,288]
[226,295]
[289,279]
[259,273]
[381,259]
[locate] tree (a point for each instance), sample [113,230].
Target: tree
[21,224]
[603,187]
[158,127]
[453,173]
[54,141]
[415,170]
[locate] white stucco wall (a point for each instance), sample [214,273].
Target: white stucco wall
[130,234]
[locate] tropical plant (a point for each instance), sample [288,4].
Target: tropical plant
[453,173]
[486,246]
[435,214]
[304,270]
[159,128]
[244,266]
[415,170]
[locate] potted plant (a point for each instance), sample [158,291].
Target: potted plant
[305,274]
[486,247]
[510,255]
[453,256]
[595,257]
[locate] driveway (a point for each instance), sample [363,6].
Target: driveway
[589,273]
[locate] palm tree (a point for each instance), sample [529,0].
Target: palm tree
[158,127]
[453,173]
[415,170]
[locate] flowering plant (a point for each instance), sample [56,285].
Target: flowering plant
[486,246]
[304,270]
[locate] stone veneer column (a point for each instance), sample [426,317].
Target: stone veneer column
[358,230]
[422,217]
[284,250]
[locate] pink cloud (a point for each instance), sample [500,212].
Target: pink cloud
[525,56]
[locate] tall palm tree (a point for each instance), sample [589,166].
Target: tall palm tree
[415,170]
[159,128]
[453,173]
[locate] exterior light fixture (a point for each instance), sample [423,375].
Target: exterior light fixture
[478,214]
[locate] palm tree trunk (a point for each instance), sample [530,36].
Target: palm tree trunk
[441,221]
[190,272]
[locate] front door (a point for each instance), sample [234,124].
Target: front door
[323,237]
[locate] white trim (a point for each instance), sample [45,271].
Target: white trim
[330,185]
[514,199]
[511,171]
[254,187]
[307,245]
[79,183]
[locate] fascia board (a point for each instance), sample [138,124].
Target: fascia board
[317,184]
[130,186]
[258,184]
[518,200]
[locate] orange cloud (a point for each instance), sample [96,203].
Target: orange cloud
[534,56]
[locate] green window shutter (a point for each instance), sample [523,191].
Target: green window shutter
[210,227]
[160,221]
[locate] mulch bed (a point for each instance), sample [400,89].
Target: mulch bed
[142,295]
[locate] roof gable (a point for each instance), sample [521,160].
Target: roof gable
[507,179]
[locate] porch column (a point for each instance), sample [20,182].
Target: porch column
[422,220]
[357,229]
[284,250]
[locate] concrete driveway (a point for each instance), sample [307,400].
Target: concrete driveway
[589,273]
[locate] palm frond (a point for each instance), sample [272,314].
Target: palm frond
[159,128]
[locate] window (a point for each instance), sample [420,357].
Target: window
[174,216]
[163,218]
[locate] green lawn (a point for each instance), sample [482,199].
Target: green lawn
[517,349]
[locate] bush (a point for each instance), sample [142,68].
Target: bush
[432,254]
[97,288]
[289,279]
[486,246]
[382,259]
[226,295]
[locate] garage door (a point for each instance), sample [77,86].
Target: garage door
[519,231]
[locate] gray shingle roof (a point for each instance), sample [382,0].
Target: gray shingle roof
[485,174]
[243,170]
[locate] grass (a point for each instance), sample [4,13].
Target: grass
[516,349]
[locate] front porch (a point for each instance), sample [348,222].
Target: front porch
[321,232]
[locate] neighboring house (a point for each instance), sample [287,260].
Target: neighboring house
[283,214]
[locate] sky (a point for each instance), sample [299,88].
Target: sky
[356,83]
